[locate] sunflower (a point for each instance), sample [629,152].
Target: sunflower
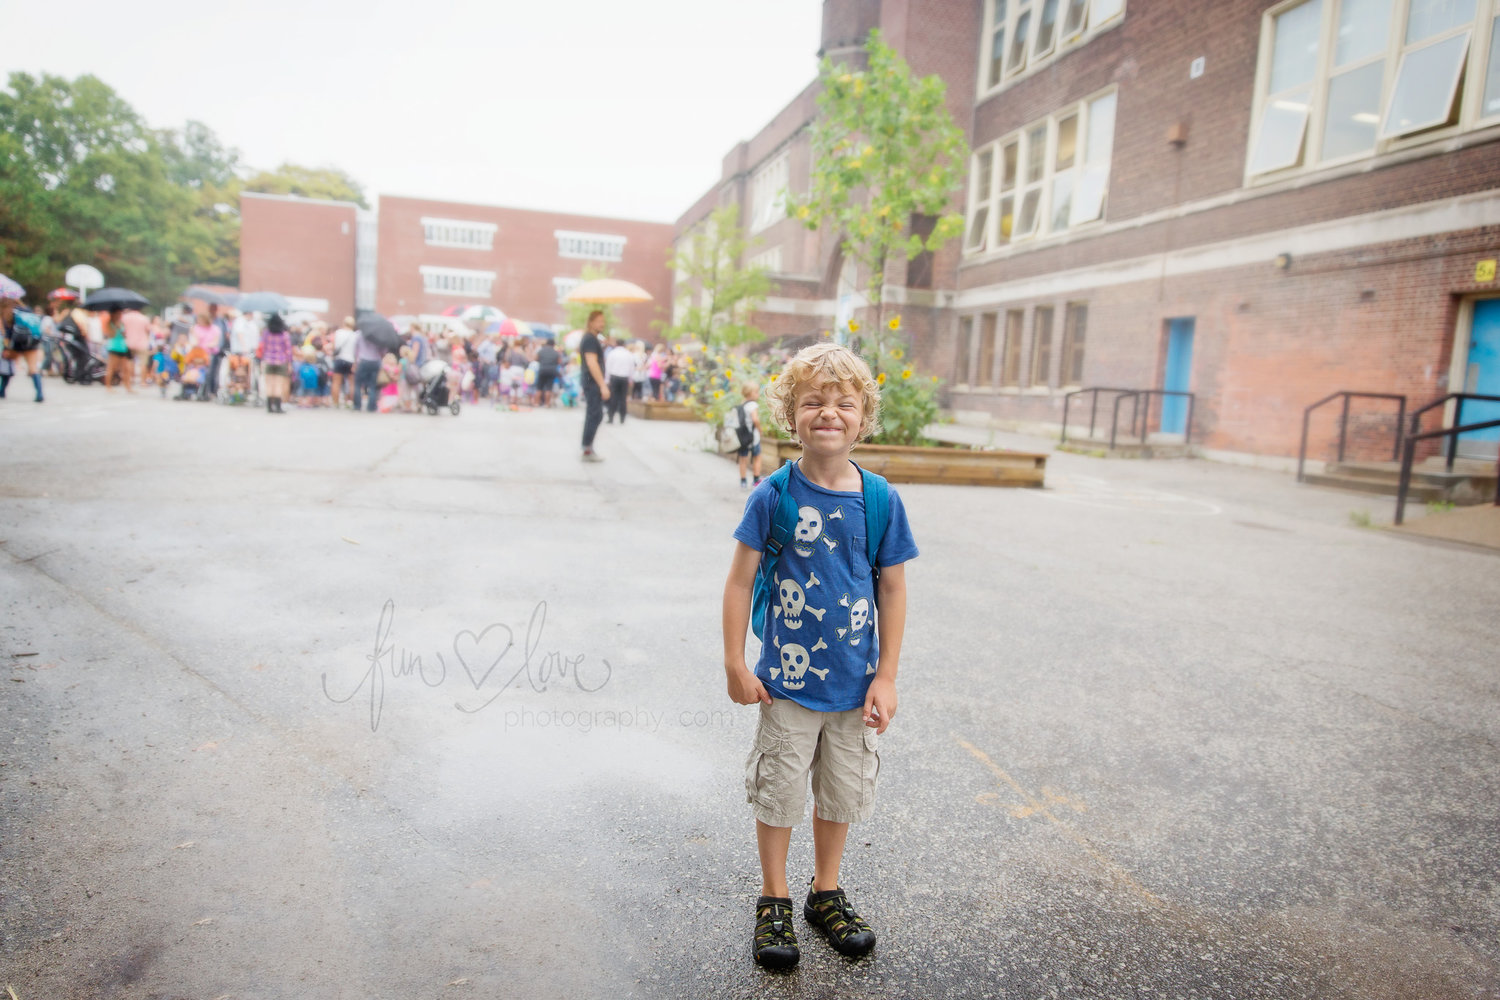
[896,353]
[718,394]
[906,373]
[895,323]
[880,379]
[854,326]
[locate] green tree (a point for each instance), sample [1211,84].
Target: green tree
[721,291]
[885,150]
[209,238]
[328,183]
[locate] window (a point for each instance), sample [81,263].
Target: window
[563,287]
[1342,79]
[589,246]
[1047,178]
[984,373]
[1024,34]
[457,281]
[965,345]
[1041,346]
[1010,372]
[1075,331]
[769,260]
[768,193]
[458,233]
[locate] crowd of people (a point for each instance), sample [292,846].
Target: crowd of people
[204,351]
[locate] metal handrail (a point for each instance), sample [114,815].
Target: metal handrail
[1458,417]
[1344,424]
[1136,417]
[1410,456]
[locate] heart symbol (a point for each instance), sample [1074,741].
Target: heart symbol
[479,652]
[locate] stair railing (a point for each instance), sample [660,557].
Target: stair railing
[1346,396]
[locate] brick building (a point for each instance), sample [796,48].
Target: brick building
[1258,204]
[419,257]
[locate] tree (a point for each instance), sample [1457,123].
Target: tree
[885,152]
[328,183]
[722,292]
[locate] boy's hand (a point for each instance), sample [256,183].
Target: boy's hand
[880,703]
[746,689]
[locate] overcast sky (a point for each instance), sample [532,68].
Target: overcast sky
[592,106]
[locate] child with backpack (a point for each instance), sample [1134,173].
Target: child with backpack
[746,426]
[819,573]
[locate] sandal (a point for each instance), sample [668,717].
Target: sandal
[775,941]
[833,914]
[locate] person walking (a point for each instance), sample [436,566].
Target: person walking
[367,358]
[276,360]
[595,386]
[548,370]
[117,353]
[22,342]
[619,365]
[344,343]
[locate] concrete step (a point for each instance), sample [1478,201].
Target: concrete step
[1430,475]
[1156,446]
[1420,492]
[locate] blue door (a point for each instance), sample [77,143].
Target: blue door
[1483,377]
[1178,378]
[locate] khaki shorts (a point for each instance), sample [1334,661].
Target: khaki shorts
[836,748]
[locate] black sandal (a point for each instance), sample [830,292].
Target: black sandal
[775,941]
[833,914]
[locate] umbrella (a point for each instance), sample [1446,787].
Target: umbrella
[514,328]
[453,311]
[572,340]
[379,331]
[11,289]
[608,290]
[211,296]
[262,302]
[544,332]
[115,298]
[63,294]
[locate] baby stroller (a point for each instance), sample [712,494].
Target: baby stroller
[76,361]
[435,394]
[234,379]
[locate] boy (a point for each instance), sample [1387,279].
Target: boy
[826,678]
[747,426]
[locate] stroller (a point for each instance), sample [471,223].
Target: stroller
[435,394]
[74,358]
[234,379]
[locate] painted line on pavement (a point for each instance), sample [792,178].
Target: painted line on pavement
[1035,806]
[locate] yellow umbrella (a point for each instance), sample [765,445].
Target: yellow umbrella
[602,291]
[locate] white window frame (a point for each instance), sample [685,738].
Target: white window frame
[563,287]
[589,246]
[1097,16]
[1470,93]
[770,260]
[988,195]
[461,234]
[768,187]
[457,281]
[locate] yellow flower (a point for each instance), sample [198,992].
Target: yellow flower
[896,352]
[934,379]
[868,150]
[853,326]
[802,212]
[718,394]
[895,324]
[880,379]
[845,78]
[775,376]
[854,163]
[906,373]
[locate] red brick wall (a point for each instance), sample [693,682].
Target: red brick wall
[524,257]
[299,247]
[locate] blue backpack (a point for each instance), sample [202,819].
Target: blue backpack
[784,527]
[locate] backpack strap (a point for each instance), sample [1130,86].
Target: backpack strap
[783,519]
[877,516]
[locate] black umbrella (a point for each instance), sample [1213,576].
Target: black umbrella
[115,298]
[379,331]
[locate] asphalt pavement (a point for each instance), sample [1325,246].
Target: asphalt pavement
[341,705]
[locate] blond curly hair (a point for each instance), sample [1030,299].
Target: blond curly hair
[824,366]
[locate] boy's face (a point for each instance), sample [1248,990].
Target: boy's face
[829,419]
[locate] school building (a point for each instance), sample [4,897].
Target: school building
[416,257]
[1258,204]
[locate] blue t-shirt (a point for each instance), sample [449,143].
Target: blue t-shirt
[821,646]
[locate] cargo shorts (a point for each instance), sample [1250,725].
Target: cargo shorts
[837,749]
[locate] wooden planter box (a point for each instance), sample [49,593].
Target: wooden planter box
[650,409]
[958,466]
